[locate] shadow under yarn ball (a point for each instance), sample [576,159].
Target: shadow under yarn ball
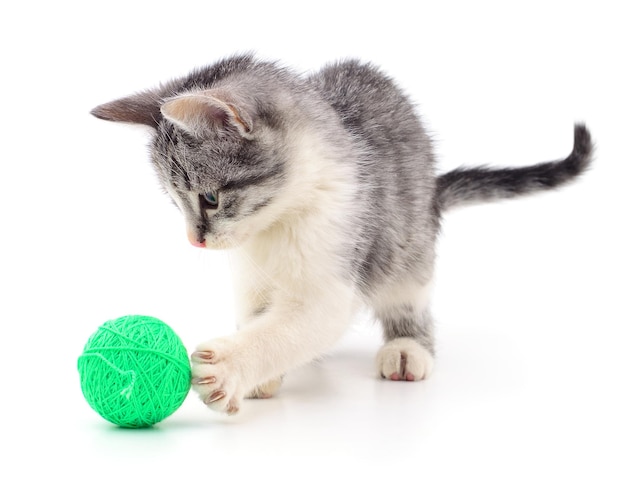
[134,371]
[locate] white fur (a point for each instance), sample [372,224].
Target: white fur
[408,292]
[402,356]
[293,272]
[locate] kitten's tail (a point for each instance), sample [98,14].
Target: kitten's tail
[474,185]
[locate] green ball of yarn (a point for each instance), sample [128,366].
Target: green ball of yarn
[134,371]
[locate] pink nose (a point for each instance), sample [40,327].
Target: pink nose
[193,241]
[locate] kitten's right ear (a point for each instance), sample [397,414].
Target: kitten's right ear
[199,112]
[143,108]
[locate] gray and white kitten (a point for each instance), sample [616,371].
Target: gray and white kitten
[325,189]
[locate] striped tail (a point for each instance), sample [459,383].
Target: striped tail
[480,184]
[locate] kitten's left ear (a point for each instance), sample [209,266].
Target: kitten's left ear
[201,112]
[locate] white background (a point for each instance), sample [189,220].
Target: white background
[528,391]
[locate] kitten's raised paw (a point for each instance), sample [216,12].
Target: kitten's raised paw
[404,359]
[216,377]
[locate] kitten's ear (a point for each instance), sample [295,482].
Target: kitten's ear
[142,108]
[202,112]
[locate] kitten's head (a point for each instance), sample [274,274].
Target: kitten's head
[219,153]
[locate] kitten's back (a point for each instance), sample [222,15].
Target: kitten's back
[371,106]
[395,169]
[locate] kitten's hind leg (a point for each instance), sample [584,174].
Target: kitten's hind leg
[404,359]
[409,346]
[265,390]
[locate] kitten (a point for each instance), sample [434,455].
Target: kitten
[325,188]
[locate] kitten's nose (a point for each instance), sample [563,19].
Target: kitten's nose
[193,240]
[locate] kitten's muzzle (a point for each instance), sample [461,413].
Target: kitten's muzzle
[193,239]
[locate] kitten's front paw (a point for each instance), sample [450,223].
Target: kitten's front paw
[216,375]
[404,359]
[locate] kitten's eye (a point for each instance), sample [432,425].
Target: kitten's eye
[209,199]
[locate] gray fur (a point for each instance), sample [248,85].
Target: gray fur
[480,184]
[366,122]
[405,322]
